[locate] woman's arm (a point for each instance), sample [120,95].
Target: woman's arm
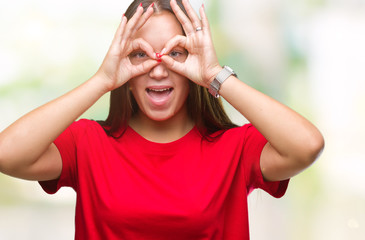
[293,142]
[26,147]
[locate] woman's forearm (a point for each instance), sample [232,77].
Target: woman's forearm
[23,142]
[30,138]
[293,137]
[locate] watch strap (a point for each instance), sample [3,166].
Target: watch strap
[215,85]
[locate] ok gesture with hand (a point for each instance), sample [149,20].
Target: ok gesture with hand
[201,65]
[117,68]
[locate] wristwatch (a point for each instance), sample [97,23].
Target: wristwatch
[219,79]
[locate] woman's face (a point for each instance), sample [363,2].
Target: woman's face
[161,93]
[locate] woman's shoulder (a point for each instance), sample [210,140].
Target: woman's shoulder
[238,131]
[85,125]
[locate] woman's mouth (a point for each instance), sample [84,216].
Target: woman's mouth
[159,96]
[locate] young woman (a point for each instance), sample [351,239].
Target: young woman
[167,163]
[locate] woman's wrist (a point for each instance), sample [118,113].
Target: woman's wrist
[213,74]
[102,84]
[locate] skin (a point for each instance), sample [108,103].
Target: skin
[293,142]
[155,121]
[26,148]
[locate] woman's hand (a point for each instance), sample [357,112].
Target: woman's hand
[201,65]
[117,68]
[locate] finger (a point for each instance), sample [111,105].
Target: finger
[118,34]
[145,67]
[178,40]
[175,66]
[143,45]
[192,14]
[132,23]
[145,16]
[183,19]
[204,18]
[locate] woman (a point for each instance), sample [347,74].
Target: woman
[167,163]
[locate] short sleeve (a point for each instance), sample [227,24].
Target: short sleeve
[66,145]
[253,146]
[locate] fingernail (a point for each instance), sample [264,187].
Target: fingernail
[159,60]
[140,4]
[153,4]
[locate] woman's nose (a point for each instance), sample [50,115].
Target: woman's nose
[159,72]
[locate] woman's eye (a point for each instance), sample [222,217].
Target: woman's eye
[179,55]
[138,57]
[175,54]
[140,54]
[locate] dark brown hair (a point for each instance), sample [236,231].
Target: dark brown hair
[206,111]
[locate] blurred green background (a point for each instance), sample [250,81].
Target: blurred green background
[308,54]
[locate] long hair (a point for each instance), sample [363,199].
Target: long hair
[205,110]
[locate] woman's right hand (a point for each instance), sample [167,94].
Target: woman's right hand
[117,68]
[26,147]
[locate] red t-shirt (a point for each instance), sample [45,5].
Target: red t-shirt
[131,188]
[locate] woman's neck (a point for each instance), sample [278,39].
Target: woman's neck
[165,131]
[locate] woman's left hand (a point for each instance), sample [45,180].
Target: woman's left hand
[201,65]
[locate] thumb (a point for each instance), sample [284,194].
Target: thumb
[145,67]
[178,67]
